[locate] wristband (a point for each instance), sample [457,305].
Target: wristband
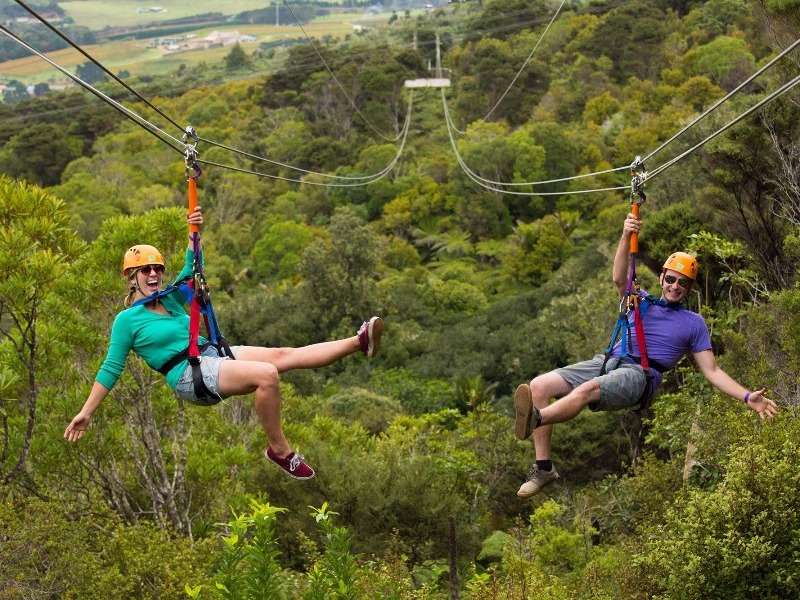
[746,397]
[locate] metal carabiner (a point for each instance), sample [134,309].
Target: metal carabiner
[638,177]
[191,169]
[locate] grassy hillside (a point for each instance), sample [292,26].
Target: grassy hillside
[97,14]
[138,57]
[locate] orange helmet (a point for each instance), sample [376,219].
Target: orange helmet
[683,263]
[139,256]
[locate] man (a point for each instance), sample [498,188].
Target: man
[670,332]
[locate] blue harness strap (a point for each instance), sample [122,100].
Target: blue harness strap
[200,304]
[183,287]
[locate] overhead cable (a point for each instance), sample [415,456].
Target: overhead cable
[385,171]
[779,92]
[159,133]
[341,87]
[722,100]
[525,64]
[374,177]
[491,185]
[96,62]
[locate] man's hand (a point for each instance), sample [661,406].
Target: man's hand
[765,407]
[631,225]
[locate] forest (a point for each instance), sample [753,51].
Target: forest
[331,192]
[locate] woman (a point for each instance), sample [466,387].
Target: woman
[157,330]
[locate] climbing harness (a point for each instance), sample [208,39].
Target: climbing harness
[201,298]
[634,300]
[196,292]
[630,301]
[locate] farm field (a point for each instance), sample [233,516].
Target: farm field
[97,14]
[138,58]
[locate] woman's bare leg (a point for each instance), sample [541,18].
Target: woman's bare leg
[305,357]
[238,377]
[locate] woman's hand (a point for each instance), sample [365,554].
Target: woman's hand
[195,218]
[75,429]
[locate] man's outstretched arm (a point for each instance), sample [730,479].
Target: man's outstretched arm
[727,385]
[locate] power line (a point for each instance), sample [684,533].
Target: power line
[158,132]
[341,87]
[527,60]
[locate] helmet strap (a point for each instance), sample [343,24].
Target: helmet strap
[133,277]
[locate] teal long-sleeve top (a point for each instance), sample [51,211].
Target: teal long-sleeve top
[154,337]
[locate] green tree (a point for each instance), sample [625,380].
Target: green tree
[276,254]
[725,60]
[631,36]
[89,72]
[236,58]
[338,273]
[39,154]
[36,249]
[733,541]
[16,92]
[52,547]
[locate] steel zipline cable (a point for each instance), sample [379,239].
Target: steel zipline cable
[341,87]
[372,178]
[490,184]
[159,133]
[403,133]
[86,55]
[180,146]
[483,182]
[140,120]
[777,93]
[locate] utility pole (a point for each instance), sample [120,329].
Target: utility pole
[439,81]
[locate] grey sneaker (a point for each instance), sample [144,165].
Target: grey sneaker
[527,413]
[537,479]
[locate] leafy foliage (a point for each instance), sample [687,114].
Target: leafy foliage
[479,291]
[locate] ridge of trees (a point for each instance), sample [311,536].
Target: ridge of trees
[479,292]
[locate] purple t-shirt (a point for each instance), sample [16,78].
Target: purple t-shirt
[670,334]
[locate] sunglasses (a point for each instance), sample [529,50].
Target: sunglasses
[147,269]
[684,282]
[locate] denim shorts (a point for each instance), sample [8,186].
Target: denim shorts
[621,387]
[209,367]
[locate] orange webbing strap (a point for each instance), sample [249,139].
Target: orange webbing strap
[637,183]
[193,202]
[635,236]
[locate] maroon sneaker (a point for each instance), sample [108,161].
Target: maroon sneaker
[292,464]
[369,334]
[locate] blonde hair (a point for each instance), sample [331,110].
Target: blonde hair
[129,299]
